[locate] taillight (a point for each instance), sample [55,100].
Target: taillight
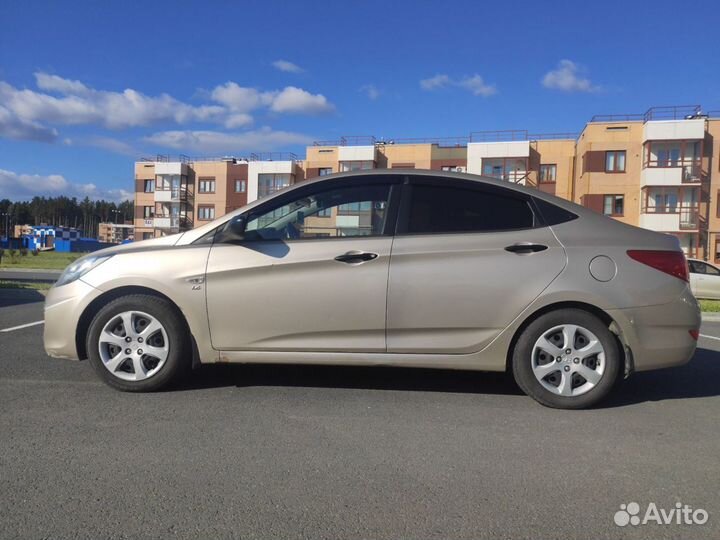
[695,334]
[670,262]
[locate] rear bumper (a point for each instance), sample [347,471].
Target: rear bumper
[659,336]
[63,307]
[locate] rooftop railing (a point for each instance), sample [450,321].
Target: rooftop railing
[349,140]
[665,112]
[167,158]
[273,156]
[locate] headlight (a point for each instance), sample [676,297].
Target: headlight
[79,268]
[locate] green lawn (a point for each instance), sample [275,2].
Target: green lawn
[48,260]
[24,285]
[710,305]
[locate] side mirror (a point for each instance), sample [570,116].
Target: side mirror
[235,229]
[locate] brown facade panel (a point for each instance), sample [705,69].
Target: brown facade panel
[594,161]
[139,185]
[593,202]
[312,172]
[547,187]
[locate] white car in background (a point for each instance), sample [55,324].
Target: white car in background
[704,279]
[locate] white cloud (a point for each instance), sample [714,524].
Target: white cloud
[296,100]
[477,86]
[238,120]
[33,114]
[433,83]
[474,84]
[242,100]
[53,83]
[108,143]
[289,67]
[239,98]
[12,127]
[371,91]
[237,143]
[17,187]
[79,104]
[567,78]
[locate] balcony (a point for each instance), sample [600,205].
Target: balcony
[671,218]
[174,194]
[166,222]
[674,130]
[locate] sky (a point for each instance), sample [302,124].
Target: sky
[86,88]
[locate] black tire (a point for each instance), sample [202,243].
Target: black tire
[178,360]
[522,359]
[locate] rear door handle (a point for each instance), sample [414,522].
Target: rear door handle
[355,257]
[523,248]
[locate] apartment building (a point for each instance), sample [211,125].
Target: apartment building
[115,233]
[659,170]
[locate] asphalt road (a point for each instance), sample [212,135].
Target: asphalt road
[310,452]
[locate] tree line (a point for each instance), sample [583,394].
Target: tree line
[62,211]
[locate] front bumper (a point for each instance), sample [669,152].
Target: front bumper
[63,307]
[659,336]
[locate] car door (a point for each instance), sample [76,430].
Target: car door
[467,258]
[697,277]
[707,279]
[310,273]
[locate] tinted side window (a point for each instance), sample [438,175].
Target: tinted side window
[345,211]
[440,209]
[711,270]
[696,268]
[554,215]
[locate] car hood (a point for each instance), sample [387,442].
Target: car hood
[142,245]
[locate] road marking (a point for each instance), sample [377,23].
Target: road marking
[710,337]
[22,326]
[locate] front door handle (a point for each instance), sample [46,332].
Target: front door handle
[523,248]
[356,257]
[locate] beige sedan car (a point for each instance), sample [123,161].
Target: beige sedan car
[704,279]
[387,267]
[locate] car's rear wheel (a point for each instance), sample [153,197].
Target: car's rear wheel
[567,359]
[138,343]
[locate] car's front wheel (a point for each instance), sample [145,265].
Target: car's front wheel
[567,359]
[138,343]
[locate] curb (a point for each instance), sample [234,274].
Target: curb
[37,270]
[710,316]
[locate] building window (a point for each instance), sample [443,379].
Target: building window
[325,212]
[148,212]
[147,235]
[270,183]
[614,205]
[206,185]
[451,168]
[324,171]
[206,213]
[354,208]
[615,161]
[149,186]
[346,166]
[548,173]
[240,186]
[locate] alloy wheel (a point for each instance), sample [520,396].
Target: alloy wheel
[568,360]
[133,346]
